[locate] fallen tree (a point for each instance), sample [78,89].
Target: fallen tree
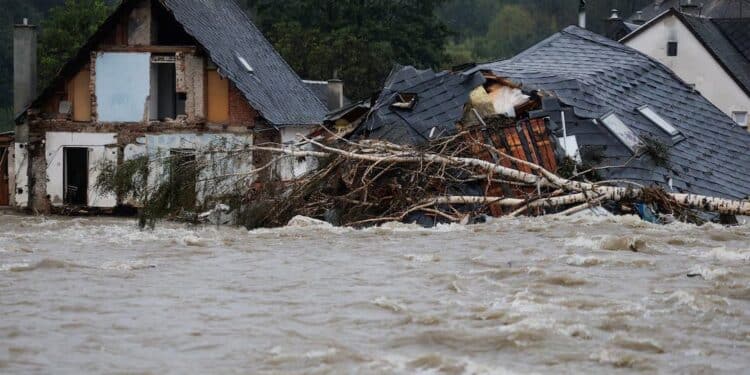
[368,182]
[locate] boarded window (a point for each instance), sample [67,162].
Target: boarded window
[621,131]
[80,96]
[122,86]
[217,98]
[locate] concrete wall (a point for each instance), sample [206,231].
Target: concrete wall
[290,168]
[693,63]
[122,86]
[225,171]
[24,66]
[99,153]
[21,174]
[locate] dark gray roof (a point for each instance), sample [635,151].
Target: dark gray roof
[737,30]
[226,33]
[597,76]
[320,89]
[721,47]
[711,8]
[441,98]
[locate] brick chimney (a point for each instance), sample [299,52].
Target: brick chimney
[24,65]
[335,94]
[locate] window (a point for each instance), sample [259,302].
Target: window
[671,48]
[658,120]
[740,117]
[166,102]
[621,131]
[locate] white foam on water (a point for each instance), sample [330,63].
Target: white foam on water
[708,273]
[582,261]
[126,265]
[388,304]
[723,254]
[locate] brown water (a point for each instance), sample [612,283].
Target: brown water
[514,296]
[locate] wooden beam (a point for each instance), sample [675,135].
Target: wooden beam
[151,49]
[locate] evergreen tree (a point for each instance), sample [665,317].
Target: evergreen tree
[64,31]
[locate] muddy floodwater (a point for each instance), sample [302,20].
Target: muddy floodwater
[550,295]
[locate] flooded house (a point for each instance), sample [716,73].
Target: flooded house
[576,101]
[159,78]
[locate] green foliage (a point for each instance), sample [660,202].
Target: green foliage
[6,120]
[355,40]
[657,150]
[66,29]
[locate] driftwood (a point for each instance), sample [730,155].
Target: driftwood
[369,182]
[372,161]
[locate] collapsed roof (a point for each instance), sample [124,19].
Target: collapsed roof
[416,105]
[598,78]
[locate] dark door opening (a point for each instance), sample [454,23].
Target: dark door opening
[4,177]
[76,175]
[167,88]
[183,178]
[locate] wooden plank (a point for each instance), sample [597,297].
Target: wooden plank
[151,49]
[217,98]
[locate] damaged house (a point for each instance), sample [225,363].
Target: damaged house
[159,78]
[618,114]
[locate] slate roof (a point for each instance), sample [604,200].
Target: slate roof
[320,89]
[723,46]
[597,76]
[440,105]
[226,33]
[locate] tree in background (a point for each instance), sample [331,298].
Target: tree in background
[357,41]
[64,31]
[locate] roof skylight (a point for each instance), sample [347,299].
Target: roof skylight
[621,131]
[659,121]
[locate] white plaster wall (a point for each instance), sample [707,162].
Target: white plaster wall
[224,172]
[11,174]
[693,63]
[290,168]
[21,175]
[98,153]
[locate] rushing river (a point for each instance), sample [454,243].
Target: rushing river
[550,295]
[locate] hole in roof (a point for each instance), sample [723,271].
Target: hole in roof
[659,121]
[245,64]
[405,101]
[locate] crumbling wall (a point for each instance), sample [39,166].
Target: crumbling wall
[98,153]
[21,174]
[38,199]
[190,80]
[140,26]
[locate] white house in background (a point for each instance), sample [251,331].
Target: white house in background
[712,54]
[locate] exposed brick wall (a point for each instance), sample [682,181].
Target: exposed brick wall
[240,111]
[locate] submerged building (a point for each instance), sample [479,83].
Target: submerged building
[159,77]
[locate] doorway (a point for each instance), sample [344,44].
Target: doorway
[183,179]
[76,175]
[4,177]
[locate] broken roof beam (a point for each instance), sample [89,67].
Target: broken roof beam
[151,49]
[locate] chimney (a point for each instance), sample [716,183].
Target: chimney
[335,94]
[638,20]
[24,65]
[614,28]
[690,8]
[582,14]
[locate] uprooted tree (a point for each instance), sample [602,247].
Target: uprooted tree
[369,182]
